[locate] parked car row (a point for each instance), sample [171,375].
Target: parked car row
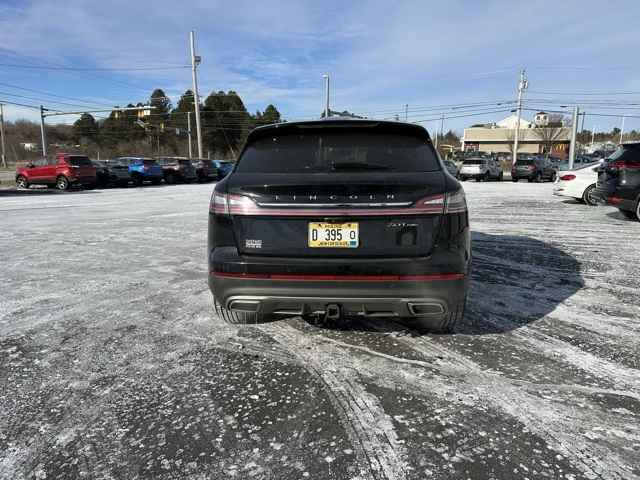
[67,170]
[613,181]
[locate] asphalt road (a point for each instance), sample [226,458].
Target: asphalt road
[113,364]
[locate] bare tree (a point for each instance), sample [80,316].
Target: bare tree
[548,136]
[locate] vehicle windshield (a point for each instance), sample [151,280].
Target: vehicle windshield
[150,162]
[184,162]
[525,161]
[79,161]
[338,151]
[474,161]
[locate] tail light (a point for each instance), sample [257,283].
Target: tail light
[232,204]
[530,167]
[567,178]
[455,202]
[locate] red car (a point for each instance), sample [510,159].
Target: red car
[66,170]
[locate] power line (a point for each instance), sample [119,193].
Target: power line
[19,104]
[57,102]
[92,69]
[459,116]
[47,94]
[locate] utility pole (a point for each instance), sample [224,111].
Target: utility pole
[42,133]
[593,136]
[189,133]
[522,86]
[195,61]
[327,111]
[622,129]
[406,112]
[2,144]
[442,127]
[584,114]
[574,133]
[436,142]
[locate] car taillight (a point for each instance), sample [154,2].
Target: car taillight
[229,204]
[530,167]
[455,202]
[566,178]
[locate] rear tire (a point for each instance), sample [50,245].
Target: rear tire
[501,176]
[137,180]
[554,177]
[62,183]
[22,182]
[156,181]
[514,180]
[539,178]
[170,178]
[629,214]
[587,196]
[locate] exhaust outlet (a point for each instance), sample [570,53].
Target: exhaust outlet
[333,312]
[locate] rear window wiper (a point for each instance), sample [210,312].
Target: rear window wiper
[358,166]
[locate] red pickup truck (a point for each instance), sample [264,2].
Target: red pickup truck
[67,169]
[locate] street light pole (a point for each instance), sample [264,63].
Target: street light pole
[326,96]
[42,133]
[2,144]
[622,129]
[574,134]
[522,86]
[189,133]
[195,61]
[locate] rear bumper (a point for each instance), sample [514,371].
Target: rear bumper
[83,180]
[422,299]
[416,287]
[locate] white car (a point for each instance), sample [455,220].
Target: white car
[579,184]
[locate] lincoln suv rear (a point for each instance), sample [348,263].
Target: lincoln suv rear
[340,219]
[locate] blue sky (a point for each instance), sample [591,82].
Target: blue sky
[381,55]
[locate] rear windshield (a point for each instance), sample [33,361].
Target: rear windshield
[78,161]
[184,162]
[150,162]
[474,161]
[526,161]
[338,151]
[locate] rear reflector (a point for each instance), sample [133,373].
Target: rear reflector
[614,200]
[566,178]
[342,278]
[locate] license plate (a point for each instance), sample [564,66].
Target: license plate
[333,235]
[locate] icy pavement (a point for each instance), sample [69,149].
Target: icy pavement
[114,366]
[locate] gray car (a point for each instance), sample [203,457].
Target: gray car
[481,167]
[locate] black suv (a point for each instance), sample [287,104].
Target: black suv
[619,180]
[534,169]
[176,169]
[336,219]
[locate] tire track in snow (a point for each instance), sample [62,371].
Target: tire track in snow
[593,460]
[370,429]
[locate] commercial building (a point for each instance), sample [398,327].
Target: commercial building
[544,135]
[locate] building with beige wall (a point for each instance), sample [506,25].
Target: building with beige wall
[537,137]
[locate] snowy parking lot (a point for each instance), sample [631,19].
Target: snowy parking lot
[113,364]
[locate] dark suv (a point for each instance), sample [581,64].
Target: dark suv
[534,169]
[176,169]
[340,218]
[619,180]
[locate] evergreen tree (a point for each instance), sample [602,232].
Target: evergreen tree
[85,129]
